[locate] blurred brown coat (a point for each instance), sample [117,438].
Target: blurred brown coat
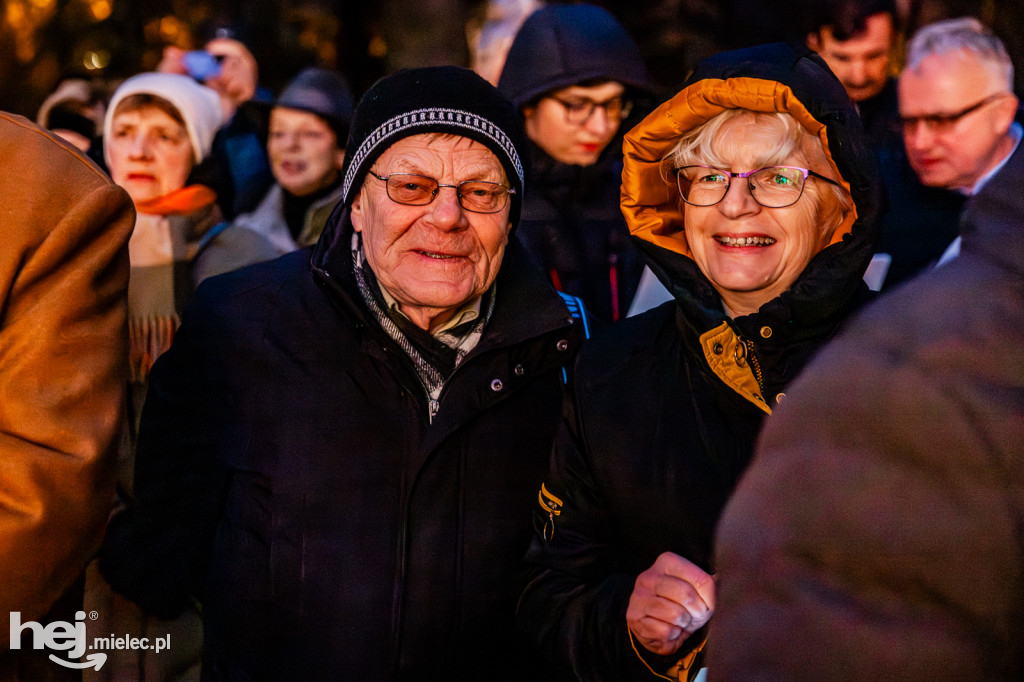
[63,282]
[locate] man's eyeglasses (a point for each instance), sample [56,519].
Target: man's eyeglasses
[476,196]
[772,187]
[938,123]
[579,111]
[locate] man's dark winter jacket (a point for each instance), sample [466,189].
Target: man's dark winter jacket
[668,404]
[289,478]
[879,533]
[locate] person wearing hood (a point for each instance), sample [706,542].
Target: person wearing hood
[753,194]
[574,73]
[308,126]
[339,453]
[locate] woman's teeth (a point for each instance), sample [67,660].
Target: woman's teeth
[745,241]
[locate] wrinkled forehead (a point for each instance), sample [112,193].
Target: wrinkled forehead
[430,153]
[947,81]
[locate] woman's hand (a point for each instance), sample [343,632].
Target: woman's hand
[671,600]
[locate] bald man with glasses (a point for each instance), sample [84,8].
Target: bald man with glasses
[957,107]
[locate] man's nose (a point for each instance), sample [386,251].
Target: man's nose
[858,73]
[445,211]
[917,135]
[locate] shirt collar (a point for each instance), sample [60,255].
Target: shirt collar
[468,312]
[1016,132]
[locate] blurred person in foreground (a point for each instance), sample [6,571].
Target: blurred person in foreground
[878,533]
[574,73]
[64,267]
[958,107]
[340,451]
[753,195]
[308,127]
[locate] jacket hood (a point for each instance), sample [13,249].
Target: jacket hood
[771,78]
[561,45]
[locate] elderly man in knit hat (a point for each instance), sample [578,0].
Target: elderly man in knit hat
[340,451]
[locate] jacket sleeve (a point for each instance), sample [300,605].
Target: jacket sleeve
[63,349]
[156,549]
[575,599]
[876,534]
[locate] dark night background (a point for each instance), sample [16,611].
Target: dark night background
[42,41]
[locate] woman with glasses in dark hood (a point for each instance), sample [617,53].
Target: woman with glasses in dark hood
[574,73]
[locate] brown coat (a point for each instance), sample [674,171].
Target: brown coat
[63,282]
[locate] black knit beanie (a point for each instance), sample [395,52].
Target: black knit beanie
[435,99]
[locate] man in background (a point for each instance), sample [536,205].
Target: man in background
[958,108]
[861,40]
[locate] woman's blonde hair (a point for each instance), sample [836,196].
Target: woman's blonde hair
[706,146]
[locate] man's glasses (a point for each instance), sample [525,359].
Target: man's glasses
[772,187]
[579,111]
[476,196]
[939,123]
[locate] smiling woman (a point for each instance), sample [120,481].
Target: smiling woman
[753,196]
[753,237]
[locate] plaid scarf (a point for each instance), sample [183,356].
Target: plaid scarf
[434,366]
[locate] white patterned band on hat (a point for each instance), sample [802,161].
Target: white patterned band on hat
[411,120]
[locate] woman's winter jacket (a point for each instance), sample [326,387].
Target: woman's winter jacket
[668,404]
[901,556]
[573,227]
[290,478]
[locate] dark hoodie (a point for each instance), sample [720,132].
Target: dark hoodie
[668,404]
[571,221]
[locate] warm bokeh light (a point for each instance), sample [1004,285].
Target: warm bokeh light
[25,17]
[94,60]
[100,9]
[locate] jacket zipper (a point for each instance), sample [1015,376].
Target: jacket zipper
[754,364]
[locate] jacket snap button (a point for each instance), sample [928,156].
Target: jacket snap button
[562,345]
[766,332]
[519,370]
[496,385]
[719,349]
[779,397]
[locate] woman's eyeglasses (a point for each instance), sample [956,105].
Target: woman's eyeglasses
[772,187]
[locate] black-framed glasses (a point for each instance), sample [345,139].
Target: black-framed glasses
[938,123]
[772,187]
[476,196]
[579,111]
